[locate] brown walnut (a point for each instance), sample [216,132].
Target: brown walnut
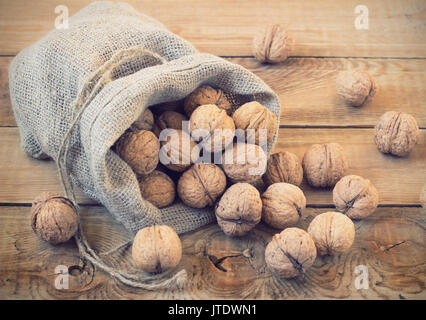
[396,133]
[144,122]
[206,95]
[169,120]
[54,218]
[355,196]
[239,209]
[333,232]
[201,185]
[271,45]
[261,120]
[290,253]
[158,188]
[324,165]
[356,87]
[139,150]
[282,205]
[283,166]
[156,249]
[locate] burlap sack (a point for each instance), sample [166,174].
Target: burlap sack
[77,90]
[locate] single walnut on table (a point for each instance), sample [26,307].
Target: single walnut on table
[356,87]
[396,133]
[169,120]
[333,232]
[239,209]
[144,122]
[283,166]
[156,249]
[54,218]
[206,95]
[201,185]
[271,45]
[324,164]
[158,188]
[290,253]
[355,196]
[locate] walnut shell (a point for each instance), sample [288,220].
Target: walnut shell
[178,151]
[261,120]
[169,120]
[290,253]
[355,196]
[244,162]
[144,122]
[283,166]
[201,185]
[333,232]
[139,150]
[282,205]
[271,45]
[396,133]
[324,165]
[239,209]
[54,218]
[206,95]
[356,87]
[213,126]
[156,249]
[158,188]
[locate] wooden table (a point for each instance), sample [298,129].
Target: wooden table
[391,242]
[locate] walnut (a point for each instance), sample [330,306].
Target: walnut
[201,185]
[324,164]
[239,209]
[206,95]
[213,126]
[396,133]
[169,120]
[144,122]
[178,151]
[54,218]
[261,120]
[333,232]
[271,45]
[244,162]
[290,253]
[283,166]
[139,150]
[282,205]
[356,87]
[158,188]
[156,249]
[355,196]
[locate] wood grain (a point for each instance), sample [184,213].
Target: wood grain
[326,28]
[390,243]
[306,88]
[22,178]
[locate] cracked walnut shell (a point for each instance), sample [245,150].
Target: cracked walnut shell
[54,218]
[290,253]
[169,120]
[356,87]
[355,196]
[156,249]
[201,185]
[258,118]
[139,150]
[271,45]
[158,188]
[239,209]
[333,232]
[325,164]
[144,122]
[283,166]
[396,133]
[206,95]
[282,205]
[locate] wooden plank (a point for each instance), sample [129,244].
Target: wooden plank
[306,88]
[325,28]
[399,180]
[390,243]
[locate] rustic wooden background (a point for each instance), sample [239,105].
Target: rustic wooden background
[391,242]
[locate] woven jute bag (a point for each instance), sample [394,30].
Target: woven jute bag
[77,90]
